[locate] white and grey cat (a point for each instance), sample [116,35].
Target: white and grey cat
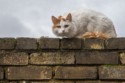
[76,24]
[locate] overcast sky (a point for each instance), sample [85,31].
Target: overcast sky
[32,18]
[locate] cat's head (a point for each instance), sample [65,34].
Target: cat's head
[62,26]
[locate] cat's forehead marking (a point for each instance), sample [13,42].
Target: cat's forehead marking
[61,22]
[61,18]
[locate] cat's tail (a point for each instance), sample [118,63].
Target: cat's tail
[95,35]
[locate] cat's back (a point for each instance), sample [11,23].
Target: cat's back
[85,13]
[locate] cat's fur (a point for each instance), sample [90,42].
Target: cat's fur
[78,23]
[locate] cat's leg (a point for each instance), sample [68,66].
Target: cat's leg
[90,31]
[104,28]
[88,35]
[102,36]
[94,35]
[98,30]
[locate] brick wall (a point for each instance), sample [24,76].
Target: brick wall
[52,60]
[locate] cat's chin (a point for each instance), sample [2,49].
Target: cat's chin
[61,35]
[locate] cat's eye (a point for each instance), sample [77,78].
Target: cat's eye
[58,26]
[66,26]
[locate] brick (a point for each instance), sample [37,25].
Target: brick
[40,82]
[11,58]
[26,44]
[8,82]
[112,72]
[93,44]
[1,73]
[54,81]
[62,82]
[24,82]
[71,43]
[75,73]
[52,58]
[87,82]
[28,73]
[7,43]
[97,82]
[97,57]
[49,43]
[122,58]
[110,82]
[115,43]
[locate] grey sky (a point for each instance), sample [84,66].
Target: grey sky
[32,18]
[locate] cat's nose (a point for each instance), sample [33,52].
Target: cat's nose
[63,31]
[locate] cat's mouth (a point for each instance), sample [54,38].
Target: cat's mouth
[63,33]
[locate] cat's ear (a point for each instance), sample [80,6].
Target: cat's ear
[69,17]
[54,19]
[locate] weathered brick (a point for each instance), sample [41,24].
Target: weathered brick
[8,82]
[115,43]
[10,58]
[87,82]
[112,72]
[97,57]
[110,82]
[76,73]
[52,58]
[1,73]
[28,73]
[26,44]
[41,82]
[98,82]
[93,43]
[49,43]
[54,81]
[24,82]
[7,43]
[122,58]
[67,43]
[62,82]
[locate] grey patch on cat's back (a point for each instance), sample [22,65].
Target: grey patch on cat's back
[94,18]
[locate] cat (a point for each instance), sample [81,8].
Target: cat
[83,24]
